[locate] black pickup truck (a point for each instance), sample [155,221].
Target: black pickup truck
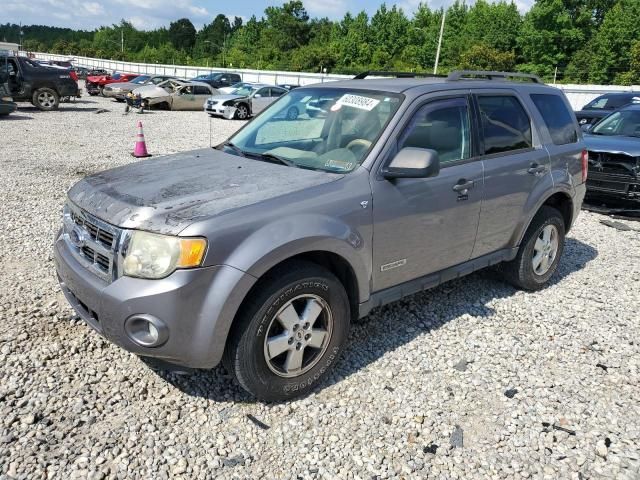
[42,86]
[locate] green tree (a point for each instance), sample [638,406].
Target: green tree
[549,36]
[182,34]
[611,48]
[484,57]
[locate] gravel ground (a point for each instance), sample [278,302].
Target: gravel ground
[470,380]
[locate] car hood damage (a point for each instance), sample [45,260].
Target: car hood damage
[613,144]
[165,195]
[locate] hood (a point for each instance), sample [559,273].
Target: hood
[224,98]
[167,194]
[151,91]
[613,144]
[124,85]
[98,78]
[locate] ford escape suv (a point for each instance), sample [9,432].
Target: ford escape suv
[261,251]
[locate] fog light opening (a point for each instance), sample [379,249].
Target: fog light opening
[146,330]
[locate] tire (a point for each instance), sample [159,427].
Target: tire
[46,99]
[242,112]
[522,271]
[285,293]
[292,113]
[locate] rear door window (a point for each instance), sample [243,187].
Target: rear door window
[557,118]
[506,126]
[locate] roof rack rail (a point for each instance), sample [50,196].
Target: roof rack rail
[487,75]
[381,73]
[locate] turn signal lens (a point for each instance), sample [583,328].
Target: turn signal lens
[191,252]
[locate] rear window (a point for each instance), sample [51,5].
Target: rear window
[557,118]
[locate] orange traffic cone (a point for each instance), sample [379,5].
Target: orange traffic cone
[140,150]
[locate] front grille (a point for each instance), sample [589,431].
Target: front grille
[614,163]
[605,185]
[102,236]
[93,242]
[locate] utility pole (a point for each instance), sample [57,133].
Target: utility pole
[435,66]
[122,39]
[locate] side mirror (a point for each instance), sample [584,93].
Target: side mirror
[257,95]
[413,162]
[586,127]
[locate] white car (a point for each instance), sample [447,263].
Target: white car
[246,101]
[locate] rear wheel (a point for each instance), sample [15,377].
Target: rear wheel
[289,336]
[540,251]
[46,99]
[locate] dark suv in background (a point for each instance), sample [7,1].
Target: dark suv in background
[603,105]
[219,79]
[261,251]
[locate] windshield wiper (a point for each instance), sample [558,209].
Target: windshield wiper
[270,157]
[235,148]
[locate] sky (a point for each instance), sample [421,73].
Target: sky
[149,14]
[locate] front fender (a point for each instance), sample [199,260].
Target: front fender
[297,234]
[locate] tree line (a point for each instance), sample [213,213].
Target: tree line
[582,41]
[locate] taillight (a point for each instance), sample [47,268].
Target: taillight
[585,165]
[74,75]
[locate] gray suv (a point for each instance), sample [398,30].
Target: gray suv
[261,251]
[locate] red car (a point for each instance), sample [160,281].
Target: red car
[95,84]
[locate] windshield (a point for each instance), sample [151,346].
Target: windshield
[623,122]
[140,79]
[329,129]
[244,91]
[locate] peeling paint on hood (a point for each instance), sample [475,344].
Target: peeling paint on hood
[167,194]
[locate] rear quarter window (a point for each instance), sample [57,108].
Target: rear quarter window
[557,117]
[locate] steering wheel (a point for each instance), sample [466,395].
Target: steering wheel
[359,143]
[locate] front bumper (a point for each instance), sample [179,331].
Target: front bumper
[623,187]
[118,94]
[197,306]
[92,88]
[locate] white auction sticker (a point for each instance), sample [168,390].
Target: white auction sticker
[357,101]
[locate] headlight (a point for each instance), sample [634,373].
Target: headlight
[7,99]
[150,255]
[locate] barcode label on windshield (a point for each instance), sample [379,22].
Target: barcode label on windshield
[357,101]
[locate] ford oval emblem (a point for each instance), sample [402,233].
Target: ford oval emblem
[76,236]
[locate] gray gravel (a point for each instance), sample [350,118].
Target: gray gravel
[470,380]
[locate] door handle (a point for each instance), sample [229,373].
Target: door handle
[463,185]
[536,169]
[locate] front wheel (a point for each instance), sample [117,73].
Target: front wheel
[287,339]
[46,99]
[242,112]
[540,251]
